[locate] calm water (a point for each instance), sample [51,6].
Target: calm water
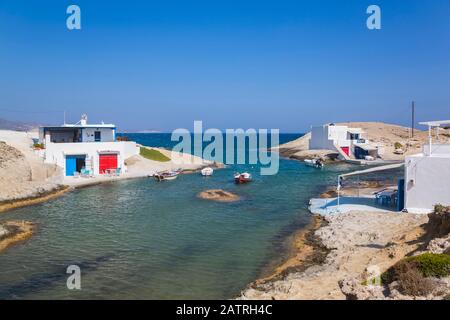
[143,239]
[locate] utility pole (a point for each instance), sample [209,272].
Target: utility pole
[413,107]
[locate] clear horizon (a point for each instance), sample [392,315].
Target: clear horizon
[286,65]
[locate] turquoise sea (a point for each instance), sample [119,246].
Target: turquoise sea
[140,239]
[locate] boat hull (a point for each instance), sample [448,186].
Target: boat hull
[242,178]
[166,176]
[207,172]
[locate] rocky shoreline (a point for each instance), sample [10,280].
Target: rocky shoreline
[336,257]
[12,232]
[33,200]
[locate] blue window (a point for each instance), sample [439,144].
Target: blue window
[97,136]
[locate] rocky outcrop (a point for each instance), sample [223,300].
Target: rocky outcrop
[23,174]
[439,222]
[218,195]
[439,245]
[12,232]
[355,289]
[360,245]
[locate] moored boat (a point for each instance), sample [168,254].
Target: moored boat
[166,175]
[316,163]
[206,172]
[242,177]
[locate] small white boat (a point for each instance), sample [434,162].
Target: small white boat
[316,163]
[166,175]
[242,177]
[206,172]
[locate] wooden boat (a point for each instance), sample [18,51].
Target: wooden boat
[316,163]
[242,177]
[206,172]
[166,175]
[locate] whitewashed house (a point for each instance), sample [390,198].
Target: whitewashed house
[348,142]
[427,175]
[83,146]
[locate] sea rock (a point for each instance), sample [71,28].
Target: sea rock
[218,195]
[3,231]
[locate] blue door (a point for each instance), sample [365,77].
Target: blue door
[71,165]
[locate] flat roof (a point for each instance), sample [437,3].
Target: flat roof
[100,125]
[435,123]
[367,147]
[77,126]
[355,130]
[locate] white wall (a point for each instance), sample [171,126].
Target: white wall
[427,182]
[437,149]
[55,152]
[324,137]
[107,134]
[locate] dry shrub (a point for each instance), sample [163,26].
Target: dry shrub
[412,282]
[409,278]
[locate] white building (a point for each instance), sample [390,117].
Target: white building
[348,142]
[83,146]
[427,175]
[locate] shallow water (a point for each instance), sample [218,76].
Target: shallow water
[147,240]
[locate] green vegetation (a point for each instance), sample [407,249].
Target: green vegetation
[38,146]
[439,208]
[152,154]
[433,265]
[398,145]
[413,273]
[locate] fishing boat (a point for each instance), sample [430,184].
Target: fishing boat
[206,172]
[242,177]
[166,175]
[316,163]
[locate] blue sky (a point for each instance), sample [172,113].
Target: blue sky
[252,64]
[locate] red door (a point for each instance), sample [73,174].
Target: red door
[107,162]
[346,150]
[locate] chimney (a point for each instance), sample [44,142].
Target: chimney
[83,120]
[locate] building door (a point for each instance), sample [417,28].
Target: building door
[107,162]
[74,163]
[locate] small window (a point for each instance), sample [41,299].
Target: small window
[97,136]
